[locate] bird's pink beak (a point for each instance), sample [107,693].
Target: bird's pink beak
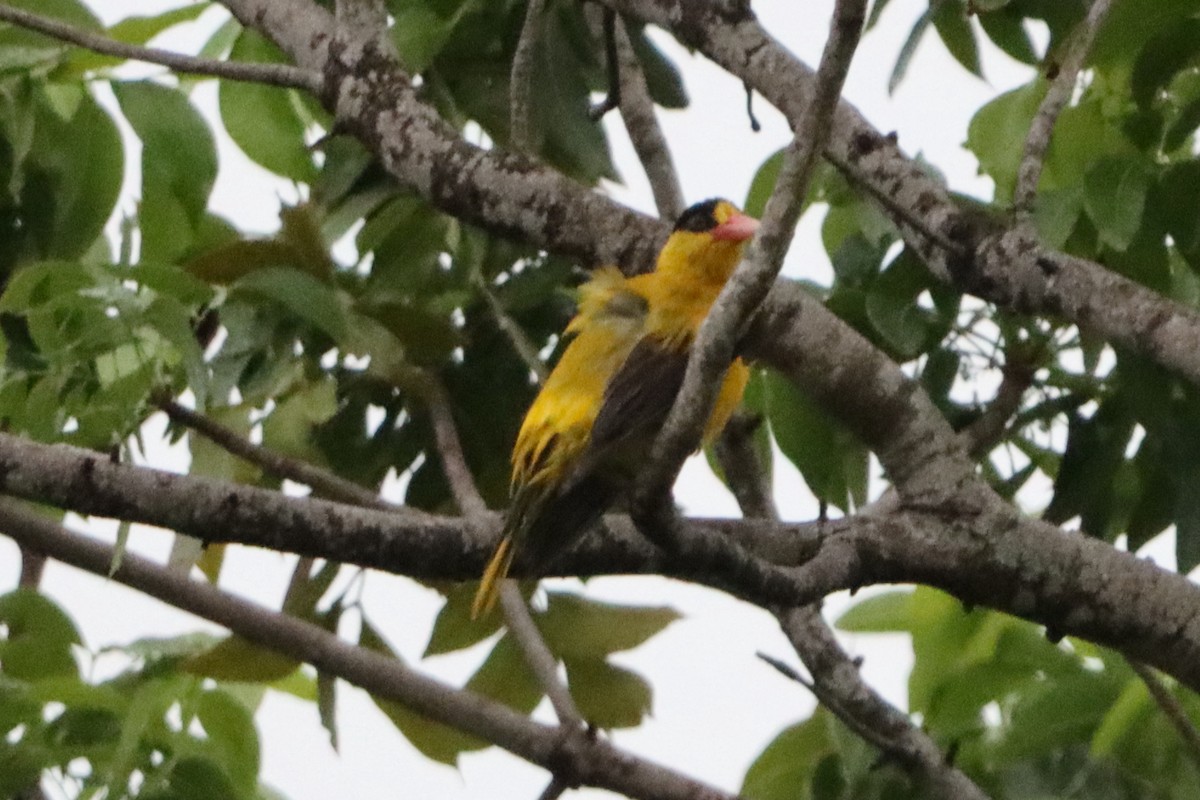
[737,228]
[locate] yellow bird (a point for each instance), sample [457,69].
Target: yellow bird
[591,426]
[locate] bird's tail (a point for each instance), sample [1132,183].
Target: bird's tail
[493,578]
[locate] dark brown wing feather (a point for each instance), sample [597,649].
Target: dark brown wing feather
[636,403]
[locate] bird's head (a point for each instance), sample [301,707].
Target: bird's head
[707,241]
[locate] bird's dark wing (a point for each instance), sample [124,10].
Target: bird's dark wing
[637,401]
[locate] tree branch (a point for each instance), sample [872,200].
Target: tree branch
[521,83]
[637,112]
[322,482]
[282,75]
[537,655]
[586,759]
[449,446]
[986,555]
[1062,86]
[837,683]
[1171,708]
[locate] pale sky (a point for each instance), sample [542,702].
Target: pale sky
[715,705]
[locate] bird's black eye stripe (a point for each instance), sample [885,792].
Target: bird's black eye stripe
[699,217]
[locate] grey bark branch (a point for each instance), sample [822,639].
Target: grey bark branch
[637,112]
[323,482]
[517,617]
[986,555]
[537,655]
[282,75]
[837,683]
[586,759]
[449,446]
[520,90]
[1058,94]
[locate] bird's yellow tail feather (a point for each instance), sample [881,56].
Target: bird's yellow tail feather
[493,578]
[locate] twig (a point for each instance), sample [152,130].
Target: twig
[323,482]
[517,617]
[1171,707]
[589,760]
[554,789]
[837,683]
[637,111]
[988,428]
[613,99]
[520,90]
[445,434]
[33,564]
[516,336]
[282,75]
[747,478]
[537,655]
[786,670]
[713,349]
[1037,141]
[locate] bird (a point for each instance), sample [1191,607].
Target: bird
[592,424]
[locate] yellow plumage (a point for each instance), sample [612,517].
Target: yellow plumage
[593,422]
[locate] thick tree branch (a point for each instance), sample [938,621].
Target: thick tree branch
[283,75]
[1058,94]
[986,555]
[586,759]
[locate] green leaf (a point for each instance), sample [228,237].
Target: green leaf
[289,428]
[231,732]
[889,612]
[1124,717]
[419,32]
[608,696]
[763,184]
[833,462]
[1115,197]
[37,637]
[179,166]
[453,629]
[950,20]
[265,121]
[1057,212]
[578,628]
[662,76]
[994,129]
[909,48]
[235,659]
[784,769]
[1006,28]
[74,172]
[303,295]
